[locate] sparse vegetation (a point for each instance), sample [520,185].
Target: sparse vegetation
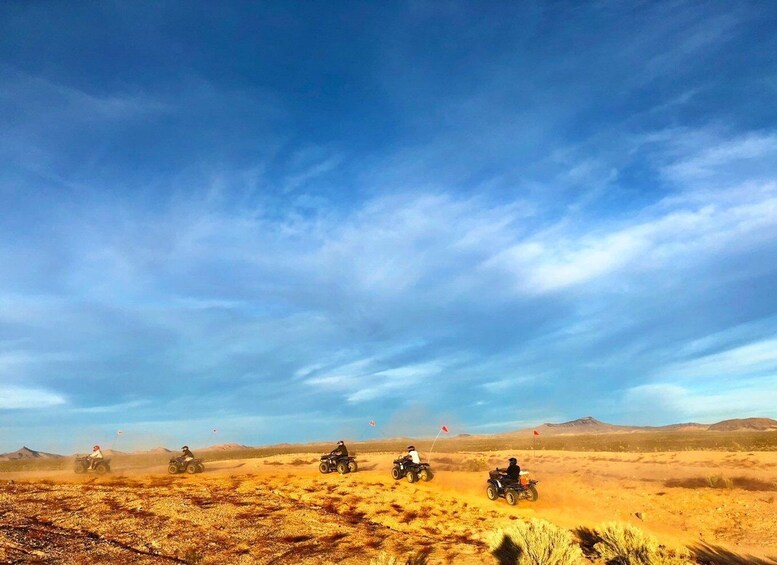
[390,559]
[623,544]
[536,542]
[720,482]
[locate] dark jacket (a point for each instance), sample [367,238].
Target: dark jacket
[340,451]
[187,453]
[514,471]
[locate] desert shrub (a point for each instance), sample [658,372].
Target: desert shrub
[536,542]
[391,559]
[192,557]
[473,465]
[623,544]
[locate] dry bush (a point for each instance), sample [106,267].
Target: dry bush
[298,462]
[474,465]
[408,516]
[536,542]
[707,554]
[623,544]
[720,482]
[391,559]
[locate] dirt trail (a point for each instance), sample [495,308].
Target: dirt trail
[281,510]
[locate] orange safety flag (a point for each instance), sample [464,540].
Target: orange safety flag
[445,429]
[536,433]
[372,423]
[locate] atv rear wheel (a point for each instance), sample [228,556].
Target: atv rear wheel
[511,497]
[191,468]
[425,475]
[101,469]
[342,467]
[200,467]
[324,467]
[491,492]
[172,468]
[396,473]
[352,467]
[411,476]
[531,493]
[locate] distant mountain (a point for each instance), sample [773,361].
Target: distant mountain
[156,450]
[590,425]
[587,425]
[745,424]
[27,454]
[224,447]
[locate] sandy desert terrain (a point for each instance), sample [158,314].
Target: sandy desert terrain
[280,509]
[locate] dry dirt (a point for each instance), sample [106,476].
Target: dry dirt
[281,510]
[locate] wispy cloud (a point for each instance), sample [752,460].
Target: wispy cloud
[19,398]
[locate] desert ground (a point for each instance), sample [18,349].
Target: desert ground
[280,509]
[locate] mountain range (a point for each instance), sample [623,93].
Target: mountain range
[581,426]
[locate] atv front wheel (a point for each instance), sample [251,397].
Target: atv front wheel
[342,467]
[411,476]
[323,467]
[172,469]
[511,497]
[425,475]
[491,492]
[80,468]
[352,467]
[396,473]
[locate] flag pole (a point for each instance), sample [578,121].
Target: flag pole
[441,430]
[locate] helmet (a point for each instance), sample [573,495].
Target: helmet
[341,442]
[513,460]
[184,448]
[95,448]
[411,447]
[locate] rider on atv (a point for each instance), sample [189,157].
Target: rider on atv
[95,456]
[513,470]
[186,454]
[412,455]
[340,451]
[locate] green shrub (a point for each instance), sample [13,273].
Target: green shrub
[536,542]
[623,544]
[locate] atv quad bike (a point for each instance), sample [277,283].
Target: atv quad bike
[83,464]
[404,467]
[512,490]
[178,465]
[342,465]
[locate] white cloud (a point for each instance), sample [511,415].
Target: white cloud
[14,398]
[728,398]
[758,358]
[687,233]
[710,159]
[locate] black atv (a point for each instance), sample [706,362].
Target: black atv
[178,465]
[83,464]
[404,467]
[512,490]
[342,465]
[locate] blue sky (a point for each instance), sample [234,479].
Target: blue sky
[283,221]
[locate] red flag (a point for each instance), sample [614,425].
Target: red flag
[372,423]
[536,433]
[445,429]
